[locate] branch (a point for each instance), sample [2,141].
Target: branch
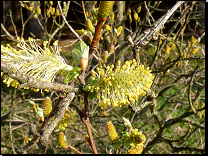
[158,25]
[67,22]
[60,114]
[189,90]
[7,33]
[86,121]
[27,81]
[50,116]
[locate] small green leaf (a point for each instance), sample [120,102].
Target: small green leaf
[66,75]
[85,88]
[91,95]
[116,144]
[72,76]
[77,55]
[40,112]
[80,46]
[127,123]
[86,52]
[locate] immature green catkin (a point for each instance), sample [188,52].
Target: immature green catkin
[136,17]
[105,8]
[113,18]
[89,25]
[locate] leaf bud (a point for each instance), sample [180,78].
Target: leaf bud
[84,63]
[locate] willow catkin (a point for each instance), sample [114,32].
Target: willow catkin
[112,134]
[89,25]
[47,106]
[105,8]
[61,139]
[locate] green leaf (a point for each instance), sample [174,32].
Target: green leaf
[91,95]
[85,88]
[77,55]
[66,75]
[72,76]
[86,52]
[127,123]
[80,46]
[116,144]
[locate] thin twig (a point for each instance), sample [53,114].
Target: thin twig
[84,10]
[148,12]
[67,22]
[7,33]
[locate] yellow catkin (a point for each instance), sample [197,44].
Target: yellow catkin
[195,50]
[105,57]
[61,139]
[119,29]
[47,106]
[137,150]
[139,9]
[105,8]
[112,134]
[136,17]
[89,25]
[38,10]
[137,137]
[167,49]
[123,85]
[112,18]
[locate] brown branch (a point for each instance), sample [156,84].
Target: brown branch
[158,25]
[189,89]
[86,121]
[28,81]
[69,146]
[96,36]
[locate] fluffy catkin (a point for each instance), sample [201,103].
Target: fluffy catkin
[112,134]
